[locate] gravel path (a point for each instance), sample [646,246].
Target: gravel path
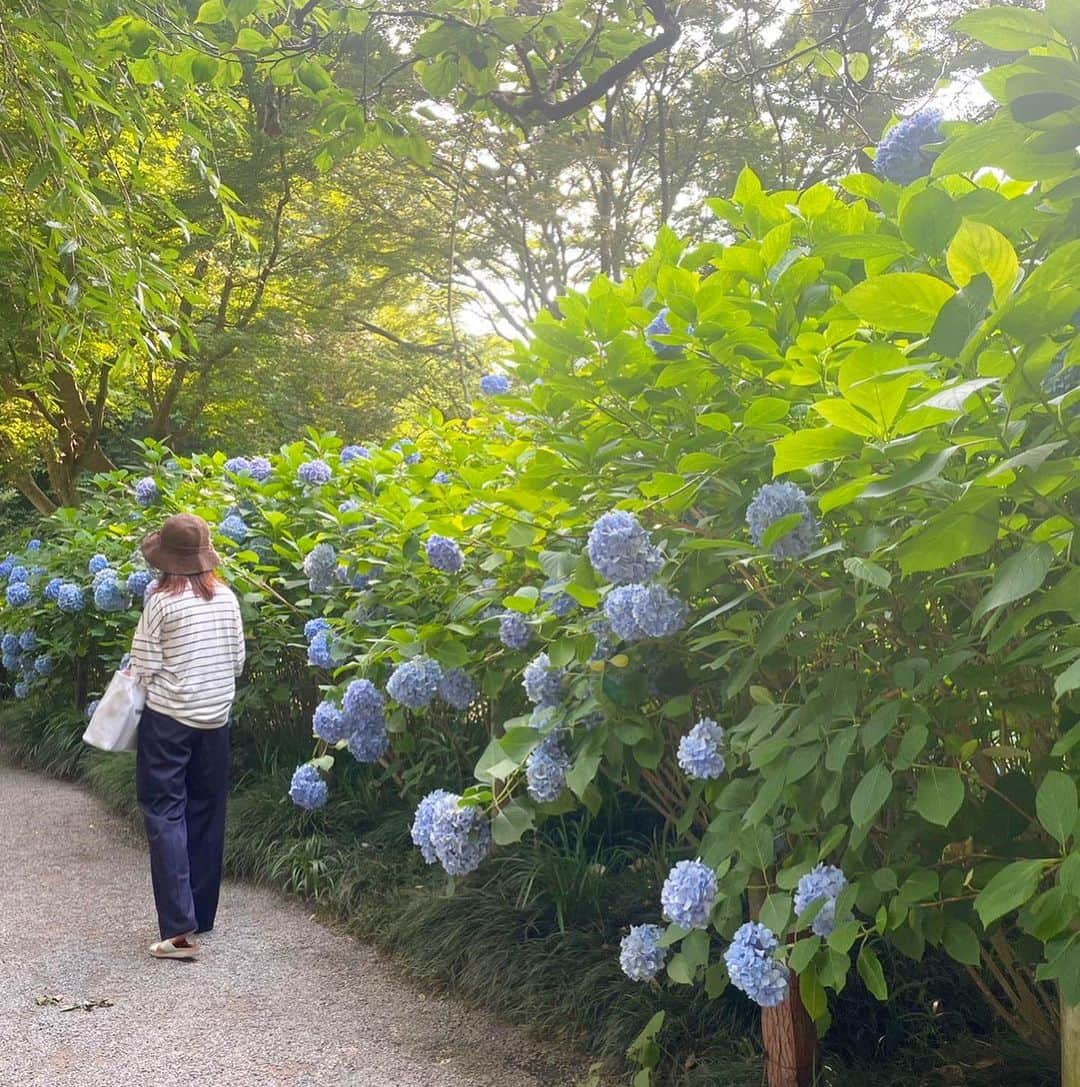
[275,999]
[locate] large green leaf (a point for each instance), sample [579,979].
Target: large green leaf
[969,528]
[1056,805]
[1011,28]
[899,301]
[813,446]
[940,795]
[1017,576]
[1014,885]
[979,249]
[870,794]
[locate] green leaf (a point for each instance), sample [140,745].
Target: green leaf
[922,471]
[1069,680]
[961,943]
[899,301]
[680,971]
[511,823]
[977,249]
[1069,874]
[940,795]
[1017,576]
[968,528]
[583,772]
[870,971]
[1056,805]
[249,40]
[1009,28]
[314,76]
[870,794]
[775,912]
[801,953]
[1014,885]
[928,220]
[813,446]
[813,994]
[213,11]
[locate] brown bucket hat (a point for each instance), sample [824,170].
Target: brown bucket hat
[181,546]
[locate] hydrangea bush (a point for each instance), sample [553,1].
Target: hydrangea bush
[807,586]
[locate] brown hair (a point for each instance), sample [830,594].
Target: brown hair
[204,584]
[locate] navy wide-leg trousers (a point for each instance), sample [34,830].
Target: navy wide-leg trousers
[182,781]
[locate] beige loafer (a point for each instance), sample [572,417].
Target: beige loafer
[169,949]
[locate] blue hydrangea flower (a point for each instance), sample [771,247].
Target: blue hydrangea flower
[701,750]
[234,528]
[19,594]
[52,590]
[369,744]
[308,789]
[28,641]
[261,469]
[542,681]
[605,640]
[460,837]
[44,665]
[514,631]
[70,599]
[5,567]
[314,626]
[546,769]
[772,503]
[22,689]
[659,326]
[364,705]
[823,881]
[901,155]
[9,643]
[315,472]
[239,466]
[441,477]
[320,565]
[138,581]
[410,458]
[109,596]
[444,554]
[91,708]
[637,612]
[107,574]
[10,661]
[689,894]
[97,563]
[328,723]
[321,650]
[350,505]
[640,955]
[354,452]
[146,491]
[560,603]
[621,550]
[423,820]
[150,589]
[494,385]
[19,573]
[752,968]
[415,682]
[34,545]
[37,571]
[457,689]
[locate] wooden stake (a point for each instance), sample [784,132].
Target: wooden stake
[791,1046]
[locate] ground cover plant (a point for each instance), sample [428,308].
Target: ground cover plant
[774,538]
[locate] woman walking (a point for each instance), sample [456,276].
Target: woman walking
[188,650]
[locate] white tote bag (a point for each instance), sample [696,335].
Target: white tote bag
[116,719]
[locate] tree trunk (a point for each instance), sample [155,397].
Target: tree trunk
[790,1042]
[1070,1044]
[24,483]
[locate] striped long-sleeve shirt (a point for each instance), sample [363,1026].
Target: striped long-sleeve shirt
[188,651]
